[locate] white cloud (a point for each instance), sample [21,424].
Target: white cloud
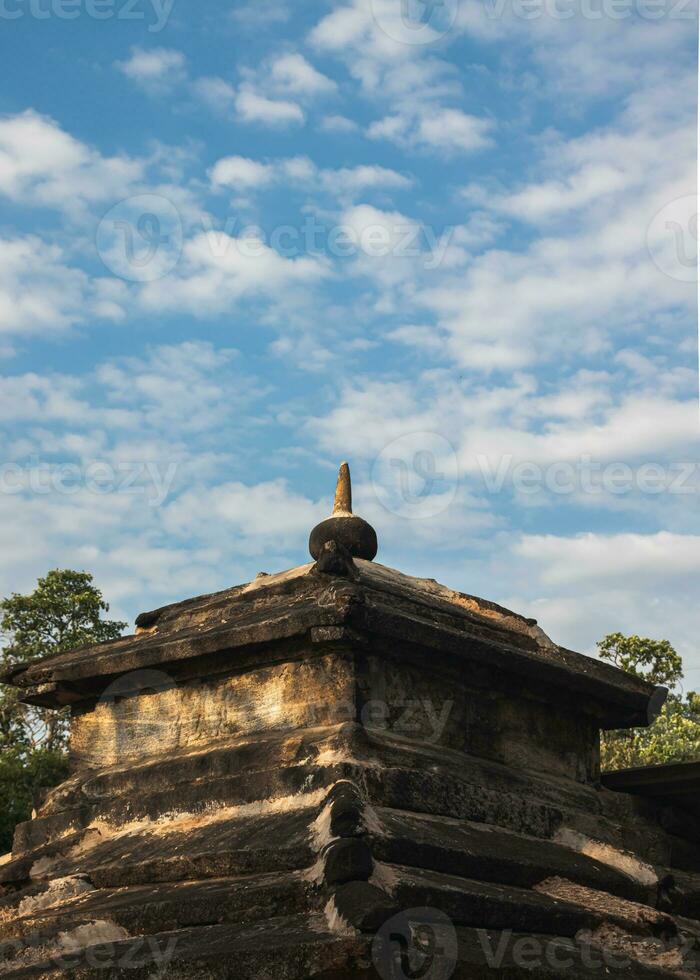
[506,309]
[157,415]
[596,558]
[260,14]
[338,124]
[579,586]
[40,398]
[416,335]
[252,106]
[450,130]
[241,172]
[606,166]
[157,399]
[276,92]
[216,92]
[184,386]
[551,197]
[260,514]
[339,29]
[144,415]
[350,180]
[122,544]
[591,279]
[40,164]
[379,50]
[155,69]
[453,129]
[293,73]
[203,539]
[351,421]
[217,270]
[245,174]
[579,621]
[51,148]
[395,253]
[296,169]
[491,426]
[369,32]
[41,292]
[583,586]
[584,57]
[363,218]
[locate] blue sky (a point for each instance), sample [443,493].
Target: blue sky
[451,244]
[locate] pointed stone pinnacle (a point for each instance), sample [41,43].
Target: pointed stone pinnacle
[346,529]
[343,492]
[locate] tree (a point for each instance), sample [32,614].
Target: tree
[63,613]
[23,777]
[675,735]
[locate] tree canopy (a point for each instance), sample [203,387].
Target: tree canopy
[675,735]
[64,612]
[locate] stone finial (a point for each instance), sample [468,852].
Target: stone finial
[342,506]
[347,529]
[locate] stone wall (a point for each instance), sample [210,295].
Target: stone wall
[168,715]
[435,705]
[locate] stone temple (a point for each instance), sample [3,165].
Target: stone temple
[343,771]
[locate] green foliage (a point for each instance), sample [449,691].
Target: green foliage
[653,660]
[675,735]
[23,777]
[63,613]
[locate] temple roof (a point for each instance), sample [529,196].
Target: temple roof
[358,597]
